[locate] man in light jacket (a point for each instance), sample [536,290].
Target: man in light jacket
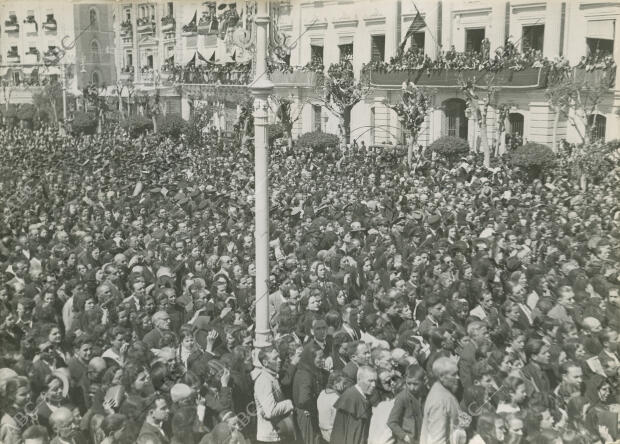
[271,407]
[441,408]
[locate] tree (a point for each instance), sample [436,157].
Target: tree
[7,91]
[341,92]
[577,100]
[94,96]
[582,97]
[118,90]
[286,116]
[479,107]
[49,99]
[151,106]
[502,115]
[245,121]
[412,111]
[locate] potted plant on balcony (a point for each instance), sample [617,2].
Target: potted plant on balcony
[167,23]
[11,24]
[30,25]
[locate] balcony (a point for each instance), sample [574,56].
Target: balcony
[51,55]
[126,76]
[528,78]
[168,24]
[208,25]
[30,26]
[50,24]
[31,58]
[190,30]
[145,25]
[596,76]
[294,78]
[11,26]
[12,57]
[126,30]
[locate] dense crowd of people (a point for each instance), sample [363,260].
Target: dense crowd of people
[453,305]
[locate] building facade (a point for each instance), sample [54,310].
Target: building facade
[94,44]
[45,40]
[37,42]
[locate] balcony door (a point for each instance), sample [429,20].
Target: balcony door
[454,122]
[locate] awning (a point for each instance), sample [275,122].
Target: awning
[28,69]
[196,59]
[317,41]
[601,29]
[345,40]
[3,71]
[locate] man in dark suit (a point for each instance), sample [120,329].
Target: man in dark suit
[152,431]
[353,410]
[359,358]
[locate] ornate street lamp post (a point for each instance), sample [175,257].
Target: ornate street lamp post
[261,88]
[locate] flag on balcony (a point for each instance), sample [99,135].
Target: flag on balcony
[417,24]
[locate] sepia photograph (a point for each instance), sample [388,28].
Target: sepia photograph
[309,222]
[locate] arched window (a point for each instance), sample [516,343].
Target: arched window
[597,123]
[94,51]
[455,123]
[93,17]
[95,78]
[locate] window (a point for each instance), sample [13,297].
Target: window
[515,122]
[94,51]
[129,59]
[93,17]
[455,123]
[597,123]
[533,37]
[128,14]
[95,78]
[149,60]
[316,117]
[170,9]
[417,40]
[152,12]
[473,39]
[346,51]
[316,53]
[377,48]
[602,47]
[600,35]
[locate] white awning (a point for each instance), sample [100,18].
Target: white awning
[601,29]
[3,71]
[28,69]
[345,40]
[317,41]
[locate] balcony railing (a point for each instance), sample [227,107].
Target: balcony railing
[30,25]
[11,26]
[50,56]
[294,78]
[449,78]
[596,76]
[126,29]
[190,30]
[168,24]
[145,25]
[126,75]
[50,25]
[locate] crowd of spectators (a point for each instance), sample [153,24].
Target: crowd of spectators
[456,305]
